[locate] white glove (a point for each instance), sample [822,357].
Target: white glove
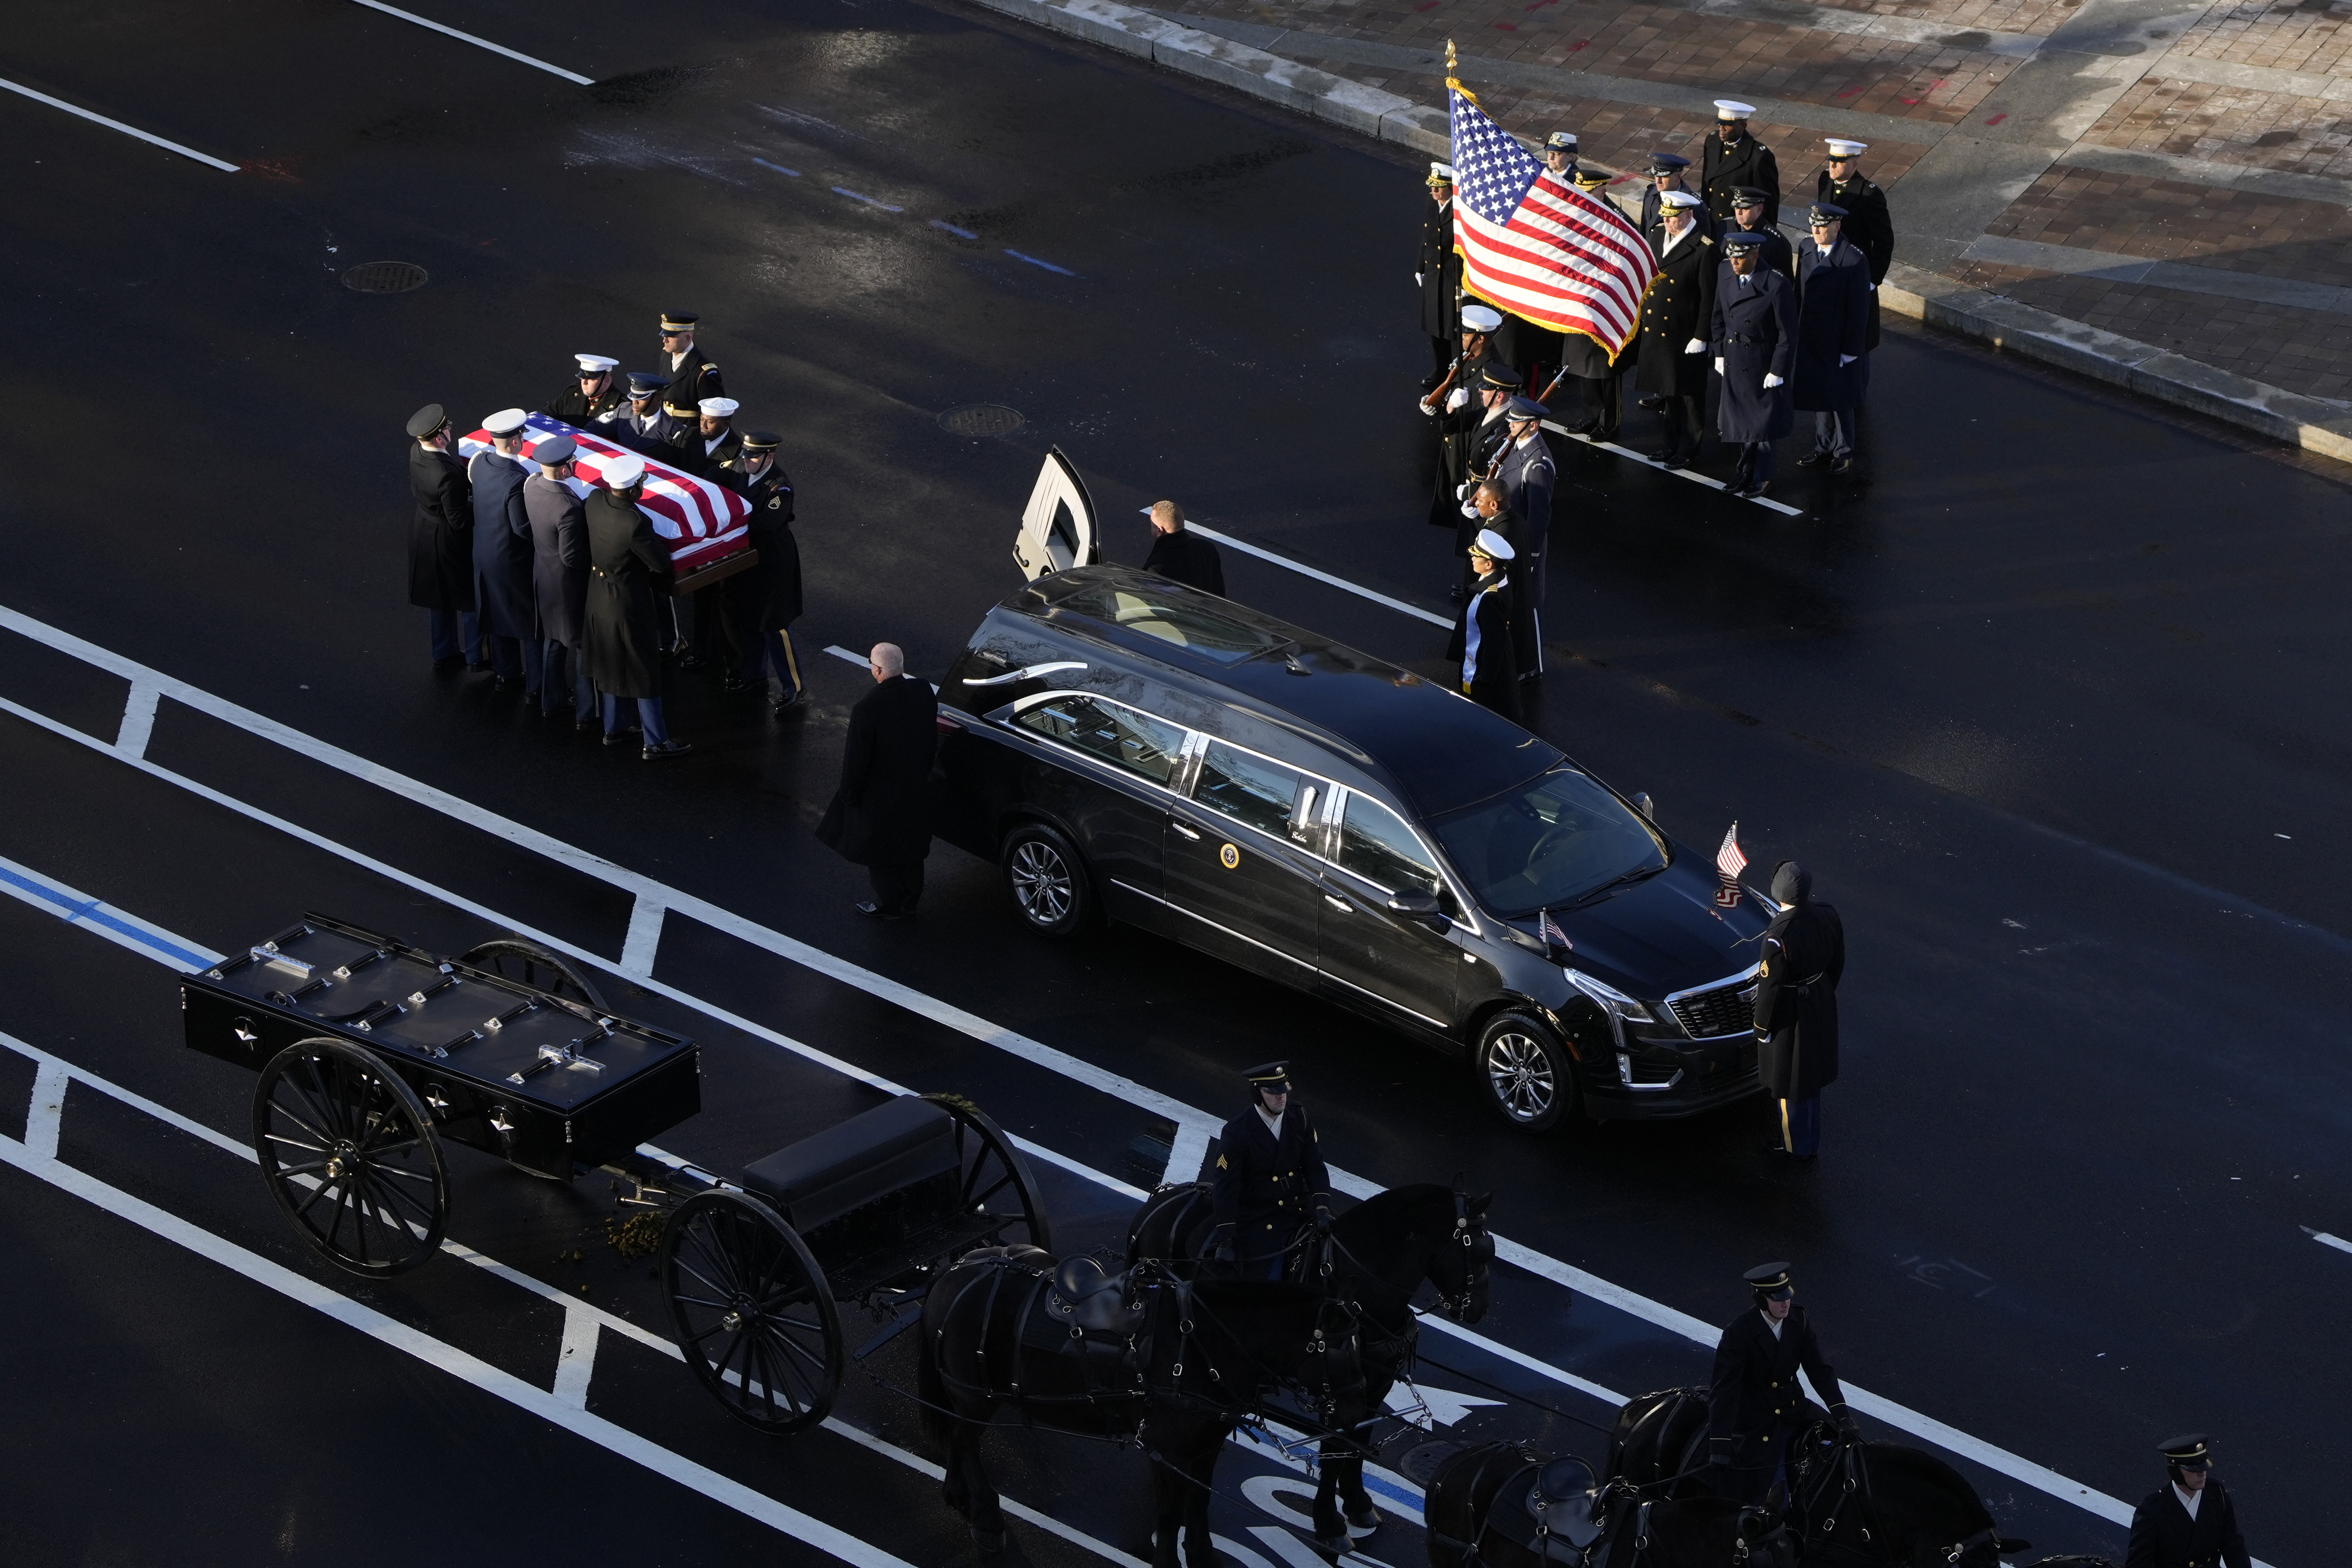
[1426,408]
[1846,360]
[1416,280]
[1696,346]
[1462,490]
[1718,364]
[1456,398]
[1470,509]
[1770,380]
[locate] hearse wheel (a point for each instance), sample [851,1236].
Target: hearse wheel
[1047,880]
[350,1154]
[1526,1074]
[754,1315]
[541,968]
[995,1175]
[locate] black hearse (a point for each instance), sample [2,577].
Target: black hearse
[1126,748]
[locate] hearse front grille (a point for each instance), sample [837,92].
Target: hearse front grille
[1725,1009]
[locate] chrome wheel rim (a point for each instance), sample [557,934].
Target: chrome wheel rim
[1041,883]
[1519,1075]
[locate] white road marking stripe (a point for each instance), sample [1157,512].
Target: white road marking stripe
[1184,1156]
[1247,548]
[138,719]
[44,1115]
[477,43]
[457,1364]
[2337,1242]
[1696,478]
[1044,1521]
[576,1363]
[118,125]
[644,937]
[972,1024]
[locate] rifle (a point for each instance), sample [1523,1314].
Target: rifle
[1431,398]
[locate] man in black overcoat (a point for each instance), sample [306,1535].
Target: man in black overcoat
[1833,295]
[559,580]
[1528,477]
[629,575]
[1269,1181]
[1458,400]
[1868,224]
[1747,217]
[502,555]
[1755,341]
[1484,641]
[440,539]
[692,375]
[1755,1404]
[880,817]
[764,600]
[1600,380]
[2191,1522]
[1438,273]
[1796,1007]
[1733,159]
[1677,311]
[1475,436]
[589,395]
[1180,555]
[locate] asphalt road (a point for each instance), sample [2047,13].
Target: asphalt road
[2047,700]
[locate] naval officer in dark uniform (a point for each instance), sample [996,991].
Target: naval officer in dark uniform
[1438,273]
[1754,1405]
[2190,1523]
[1735,159]
[1868,228]
[1677,312]
[1269,1178]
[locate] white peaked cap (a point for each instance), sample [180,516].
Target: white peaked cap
[1491,543]
[624,470]
[506,421]
[1732,109]
[1481,318]
[1677,199]
[595,365]
[1844,148]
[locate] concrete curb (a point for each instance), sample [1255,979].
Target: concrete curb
[2298,421]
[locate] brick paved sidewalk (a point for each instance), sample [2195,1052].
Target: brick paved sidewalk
[2172,172]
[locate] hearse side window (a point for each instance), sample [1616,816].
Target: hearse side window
[1248,789]
[1119,735]
[1376,844]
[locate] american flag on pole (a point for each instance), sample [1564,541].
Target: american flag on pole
[1534,245]
[1729,862]
[1548,932]
[701,520]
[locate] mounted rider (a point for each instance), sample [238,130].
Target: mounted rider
[1756,1407]
[2190,1523]
[1270,1178]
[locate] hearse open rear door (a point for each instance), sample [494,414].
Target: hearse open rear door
[1057,527]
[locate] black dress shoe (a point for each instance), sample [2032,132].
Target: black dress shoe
[1665,458]
[1606,433]
[874,912]
[786,703]
[1756,491]
[667,749]
[1814,460]
[529,699]
[1650,401]
[619,737]
[691,661]
[1842,466]
[734,683]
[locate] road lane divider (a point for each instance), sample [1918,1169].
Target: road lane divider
[479,43]
[96,119]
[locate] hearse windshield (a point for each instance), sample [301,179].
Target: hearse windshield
[1547,844]
[1195,628]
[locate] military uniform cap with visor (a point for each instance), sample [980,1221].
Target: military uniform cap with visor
[674,322]
[1841,148]
[555,449]
[1742,239]
[1726,109]
[1481,318]
[1770,1279]
[1668,162]
[644,384]
[625,472]
[1270,1078]
[1441,174]
[761,441]
[1499,375]
[1524,409]
[1493,546]
[1748,196]
[593,365]
[1591,179]
[506,422]
[1827,212]
[1677,199]
[2191,1452]
[426,420]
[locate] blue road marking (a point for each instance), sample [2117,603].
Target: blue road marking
[869,201]
[779,168]
[1047,265]
[75,910]
[959,233]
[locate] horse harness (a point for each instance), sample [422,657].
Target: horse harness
[1572,1530]
[1851,1477]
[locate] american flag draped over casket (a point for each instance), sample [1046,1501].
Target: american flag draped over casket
[701,520]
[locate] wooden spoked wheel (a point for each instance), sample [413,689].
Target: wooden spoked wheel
[994,1176]
[537,966]
[349,1153]
[754,1316]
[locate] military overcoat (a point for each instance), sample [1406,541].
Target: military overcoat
[559,558]
[1755,336]
[1834,299]
[1678,306]
[502,549]
[629,572]
[440,535]
[1796,997]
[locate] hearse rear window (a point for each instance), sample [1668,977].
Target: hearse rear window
[1247,789]
[1119,735]
[1199,630]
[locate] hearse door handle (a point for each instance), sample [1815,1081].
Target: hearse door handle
[1342,905]
[1184,830]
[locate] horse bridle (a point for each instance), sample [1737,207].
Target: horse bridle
[1464,1233]
[1856,1476]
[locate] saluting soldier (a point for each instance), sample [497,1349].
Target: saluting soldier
[1270,1180]
[1755,1404]
[1755,338]
[590,394]
[1834,296]
[1747,217]
[440,539]
[764,600]
[502,556]
[1796,1007]
[629,571]
[695,377]
[1868,225]
[1677,311]
[1484,642]
[1438,274]
[1667,173]
[1600,380]
[1733,159]
[1527,476]
[2190,1523]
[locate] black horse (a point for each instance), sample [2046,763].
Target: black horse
[1848,1501]
[1499,1506]
[1378,1256]
[1175,1364]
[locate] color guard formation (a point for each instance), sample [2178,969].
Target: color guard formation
[571,598]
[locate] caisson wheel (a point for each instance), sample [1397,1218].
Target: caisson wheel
[541,968]
[1526,1074]
[349,1151]
[754,1315]
[993,1177]
[1047,880]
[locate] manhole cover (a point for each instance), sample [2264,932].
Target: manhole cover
[981,419]
[1421,1463]
[385,277]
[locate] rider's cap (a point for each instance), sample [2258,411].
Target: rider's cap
[1272,1076]
[644,384]
[1768,1278]
[2190,1453]
[1524,409]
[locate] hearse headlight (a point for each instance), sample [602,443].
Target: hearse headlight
[1620,1009]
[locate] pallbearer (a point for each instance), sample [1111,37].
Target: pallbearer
[502,555]
[589,395]
[1755,341]
[629,573]
[695,376]
[559,580]
[764,600]
[644,427]
[440,555]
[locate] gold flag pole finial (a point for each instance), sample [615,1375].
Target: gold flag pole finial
[1452,65]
